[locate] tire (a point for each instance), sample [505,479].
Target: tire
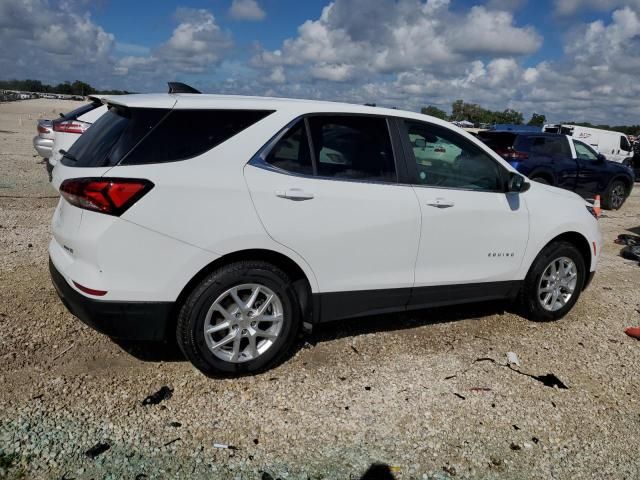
[217,290]
[531,301]
[541,180]
[615,195]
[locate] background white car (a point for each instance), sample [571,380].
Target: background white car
[68,128]
[226,223]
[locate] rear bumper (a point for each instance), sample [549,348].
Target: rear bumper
[44,146]
[143,321]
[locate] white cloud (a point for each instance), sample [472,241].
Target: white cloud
[246,10]
[570,7]
[51,44]
[408,34]
[196,44]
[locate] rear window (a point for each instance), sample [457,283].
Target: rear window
[139,136]
[78,112]
[497,141]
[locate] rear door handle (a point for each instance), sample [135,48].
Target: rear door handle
[294,194]
[440,203]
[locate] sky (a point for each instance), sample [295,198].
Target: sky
[573,60]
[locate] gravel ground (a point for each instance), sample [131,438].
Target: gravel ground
[429,393]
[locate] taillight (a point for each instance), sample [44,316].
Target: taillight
[509,154]
[42,129]
[71,126]
[112,196]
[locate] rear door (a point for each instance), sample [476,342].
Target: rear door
[328,189]
[473,235]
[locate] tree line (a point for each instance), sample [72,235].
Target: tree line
[65,88]
[476,114]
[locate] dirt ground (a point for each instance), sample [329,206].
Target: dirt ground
[428,393]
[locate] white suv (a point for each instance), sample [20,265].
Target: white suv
[232,222]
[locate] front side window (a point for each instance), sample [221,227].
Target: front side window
[445,159]
[352,147]
[624,144]
[585,152]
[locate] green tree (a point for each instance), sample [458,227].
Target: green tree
[537,120]
[434,112]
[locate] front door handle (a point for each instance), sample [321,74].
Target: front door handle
[440,203]
[294,194]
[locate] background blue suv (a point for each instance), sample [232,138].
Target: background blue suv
[549,158]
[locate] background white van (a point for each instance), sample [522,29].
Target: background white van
[613,145]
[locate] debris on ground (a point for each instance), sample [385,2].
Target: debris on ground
[514,446]
[459,396]
[97,449]
[480,389]
[164,393]
[175,424]
[633,332]
[171,441]
[451,470]
[224,446]
[512,359]
[626,239]
[631,252]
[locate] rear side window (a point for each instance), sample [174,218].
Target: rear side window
[292,153]
[349,147]
[550,146]
[184,134]
[352,147]
[143,135]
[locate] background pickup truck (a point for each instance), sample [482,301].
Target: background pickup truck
[564,162]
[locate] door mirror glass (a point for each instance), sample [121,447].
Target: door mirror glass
[419,142]
[517,183]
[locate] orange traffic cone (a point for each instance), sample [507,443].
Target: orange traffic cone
[633,332]
[596,206]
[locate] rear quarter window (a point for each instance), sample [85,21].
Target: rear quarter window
[184,134]
[147,135]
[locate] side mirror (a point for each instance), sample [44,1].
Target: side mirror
[419,143]
[601,158]
[517,183]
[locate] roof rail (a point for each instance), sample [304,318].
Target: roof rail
[179,87]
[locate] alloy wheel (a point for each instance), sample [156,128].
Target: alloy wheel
[557,284]
[243,323]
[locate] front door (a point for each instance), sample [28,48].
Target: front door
[328,190]
[589,181]
[474,235]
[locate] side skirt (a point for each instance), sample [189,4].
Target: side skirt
[359,303]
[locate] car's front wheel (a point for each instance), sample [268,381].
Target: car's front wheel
[240,319]
[554,282]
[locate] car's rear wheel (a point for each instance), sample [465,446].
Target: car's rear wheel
[240,319]
[554,282]
[615,195]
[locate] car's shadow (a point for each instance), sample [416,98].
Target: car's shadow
[170,352]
